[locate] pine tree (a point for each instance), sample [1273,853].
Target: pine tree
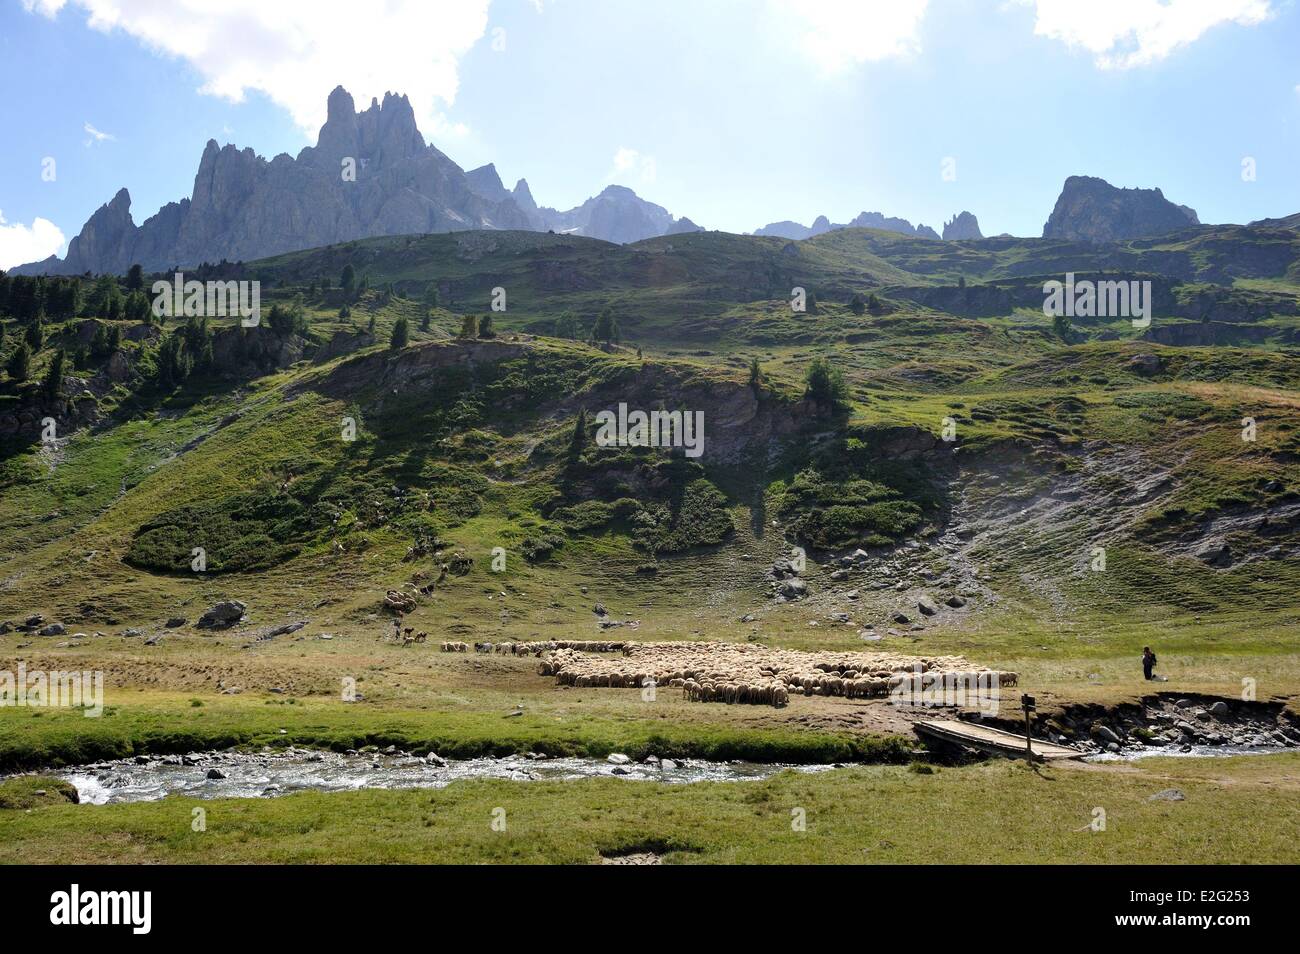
[348,279]
[485,329]
[136,308]
[824,385]
[135,278]
[20,362]
[606,328]
[36,333]
[401,335]
[469,327]
[566,326]
[53,383]
[579,439]
[755,376]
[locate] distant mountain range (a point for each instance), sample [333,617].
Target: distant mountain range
[369,174]
[864,220]
[616,215]
[372,174]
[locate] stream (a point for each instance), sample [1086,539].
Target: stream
[268,774]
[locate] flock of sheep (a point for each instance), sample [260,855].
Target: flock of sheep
[537,648]
[741,672]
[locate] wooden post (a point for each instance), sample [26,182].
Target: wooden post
[1027,703]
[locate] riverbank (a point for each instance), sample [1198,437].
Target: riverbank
[1211,811]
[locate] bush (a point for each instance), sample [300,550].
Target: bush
[701,519]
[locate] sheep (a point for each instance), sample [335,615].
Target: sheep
[736,673]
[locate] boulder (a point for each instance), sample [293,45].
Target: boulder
[223,614]
[1107,733]
[53,629]
[1214,554]
[926,607]
[1167,795]
[793,589]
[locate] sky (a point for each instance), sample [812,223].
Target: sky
[735,113]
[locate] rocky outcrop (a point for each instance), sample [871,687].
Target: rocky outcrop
[682,226]
[963,225]
[876,220]
[1093,210]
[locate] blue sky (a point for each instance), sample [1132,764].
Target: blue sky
[733,113]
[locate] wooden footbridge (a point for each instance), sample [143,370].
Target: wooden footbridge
[987,739]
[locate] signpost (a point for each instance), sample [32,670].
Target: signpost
[1027,703]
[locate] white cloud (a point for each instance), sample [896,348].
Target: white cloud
[1122,34]
[296,51]
[632,168]
[96,135]
[838,34]
[20,244]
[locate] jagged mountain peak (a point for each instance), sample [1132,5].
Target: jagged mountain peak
[1090,209]
[370,173]
[963,225]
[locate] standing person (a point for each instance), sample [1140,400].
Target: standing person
[1148,662]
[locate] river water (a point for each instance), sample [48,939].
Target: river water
[268,774]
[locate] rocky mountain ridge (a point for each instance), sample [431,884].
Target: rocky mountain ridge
[863,220]
[1092,210]
[371,173]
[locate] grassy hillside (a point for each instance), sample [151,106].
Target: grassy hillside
[1060,496]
